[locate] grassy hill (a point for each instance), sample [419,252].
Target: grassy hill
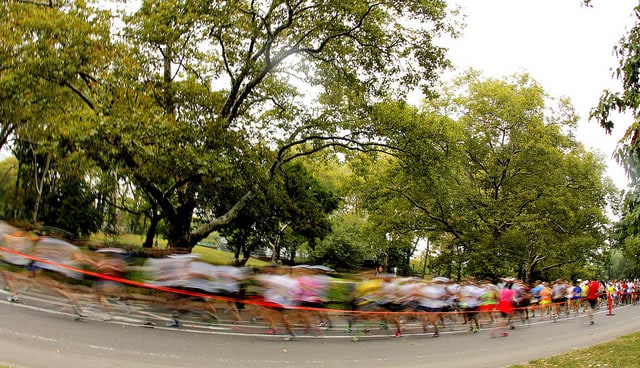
[207,254]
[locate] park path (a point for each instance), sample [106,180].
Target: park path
[35,335]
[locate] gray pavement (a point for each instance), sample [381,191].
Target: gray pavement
[41,331]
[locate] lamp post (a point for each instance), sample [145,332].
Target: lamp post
[386,253]
[426,259]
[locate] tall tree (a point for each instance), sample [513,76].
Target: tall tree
[221,94]
[52,55]
[495,167]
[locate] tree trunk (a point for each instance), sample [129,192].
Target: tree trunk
[426,259]
[530,267]
[151,231]
[179,232]
[275,250]
[14,211]
[39,184]
[246,254]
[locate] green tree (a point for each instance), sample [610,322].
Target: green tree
[294,211]
[627,100]
[493,165]
[71,206]
[221,94]
[390,227]
[52,57]
[196,102]
[8,177]
[345,247]
[307,205]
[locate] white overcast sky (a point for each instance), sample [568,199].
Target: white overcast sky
[564,46]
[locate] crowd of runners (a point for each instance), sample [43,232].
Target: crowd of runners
[310,296]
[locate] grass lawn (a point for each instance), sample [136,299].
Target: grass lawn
[619,353]
[207,254]
[219,257]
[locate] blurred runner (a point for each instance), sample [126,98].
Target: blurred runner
[111,263]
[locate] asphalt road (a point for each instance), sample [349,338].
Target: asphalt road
[46,335]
